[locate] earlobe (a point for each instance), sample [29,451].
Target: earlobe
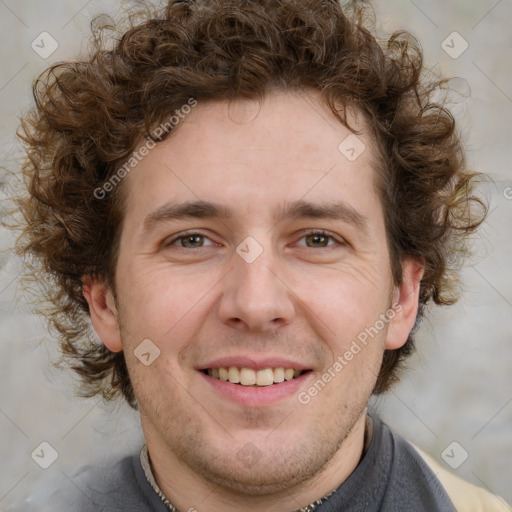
[103,312]
[405,304]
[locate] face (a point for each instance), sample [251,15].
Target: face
[251,242]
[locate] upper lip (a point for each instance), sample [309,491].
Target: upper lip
[254,363]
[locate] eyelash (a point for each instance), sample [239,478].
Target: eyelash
[313,232]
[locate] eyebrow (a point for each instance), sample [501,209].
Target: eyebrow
[336,211]
[294,210]
[187,210]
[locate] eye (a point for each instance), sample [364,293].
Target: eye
[318,239]
[190,240]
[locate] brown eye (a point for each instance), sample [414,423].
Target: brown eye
[191,241]
[317,240]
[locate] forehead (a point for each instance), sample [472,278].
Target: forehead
[247,154]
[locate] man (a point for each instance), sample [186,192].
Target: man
[252,202]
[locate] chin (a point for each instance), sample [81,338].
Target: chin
[264,481]
[274,470]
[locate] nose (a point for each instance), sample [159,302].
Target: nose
[255,295]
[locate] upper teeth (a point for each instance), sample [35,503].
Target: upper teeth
[249,377]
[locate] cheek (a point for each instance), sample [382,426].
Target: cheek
[170,309]
[347,301]
[159,297]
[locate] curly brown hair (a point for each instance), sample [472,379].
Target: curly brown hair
[89,116]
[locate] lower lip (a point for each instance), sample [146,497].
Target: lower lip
[248,396]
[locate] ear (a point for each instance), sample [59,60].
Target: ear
[103,312]
[405,304]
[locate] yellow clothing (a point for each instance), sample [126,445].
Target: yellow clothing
[465,496]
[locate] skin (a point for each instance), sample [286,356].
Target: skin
[303,298]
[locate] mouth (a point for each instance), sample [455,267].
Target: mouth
[249,377]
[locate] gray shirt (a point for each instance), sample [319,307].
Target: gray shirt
[390,477]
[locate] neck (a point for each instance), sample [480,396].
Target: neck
[189,491]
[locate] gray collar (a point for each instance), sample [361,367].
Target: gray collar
[146,466]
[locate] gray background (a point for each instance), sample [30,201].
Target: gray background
[459,385]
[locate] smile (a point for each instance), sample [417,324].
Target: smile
[255,378]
